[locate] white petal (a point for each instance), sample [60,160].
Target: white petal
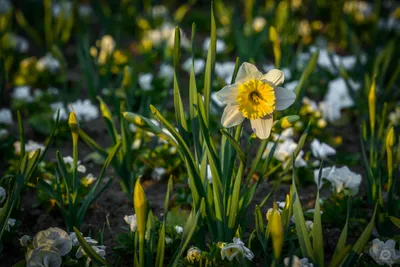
[228,94]
[231,116]
[274,76]
[246,72]
[284,98]
[262,127]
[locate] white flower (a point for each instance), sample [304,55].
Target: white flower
[165,34]
[6,116]
[291,85]
[254,96]
[296,262]
[88,179]
[10,223]
[64,8]
[131,221]
[81,169]
[19,43]
[259,24]
[394,116]
[54,237]
[178,229]
[166,72]
[84,10]
[84,110]
[337,98]
[3,194]
[236,249]
[48,63]
[193,254]
[22,93]
[284,151]
[24,240]
[30,146]
[158,173]
[384,252]
[321,150]
[101,250]
[220,45]
[107,44]
[46,256]
[198,65]
[168,240]
[5,6]
[215,99]
[342,179]
[324,61]
[145,81]
[3,133]
[309,226]
[75,240]
[159,11]
[225,70]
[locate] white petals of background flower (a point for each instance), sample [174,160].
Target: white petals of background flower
[296,262]
[131,221]
[145,81]
[158,173]
[225,70]
[321,150]
[54,237]
[220,45]
[84,110]
[47,256]
[341,179]
[6,116]
[198,65]
[384,252]
[337,98]
[235,249]
[48,63]
[3,195]
[22,93]
[178,229]
[166,72]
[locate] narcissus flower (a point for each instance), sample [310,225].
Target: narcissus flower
[254,96]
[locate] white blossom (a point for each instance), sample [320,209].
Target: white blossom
[225,70]
[145,81]
[3,195]
[178,229]
[30,146]
[131,221]
[22,93]
[168,240]
[384,252]
[337,98]
[54,237]
[75,241]
[321,150]
[46,256]
[341,179]
[198,65]
[166,72]
[6,116]
[48,63]
[5,6]
[258,24]
[296,262]
[236,249]
[84,110]
[158,173]
[19,43]
[220,45]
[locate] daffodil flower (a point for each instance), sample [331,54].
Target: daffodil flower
[254,96]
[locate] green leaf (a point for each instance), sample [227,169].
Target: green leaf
[107,117]
[90,251]
[210,65]
[306,74]
[188,231]
[21,135]
[235,145]
[395,221]
[301,229]
[343,236]
[195,181]
[179,112]
[161,247]
[318,242]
